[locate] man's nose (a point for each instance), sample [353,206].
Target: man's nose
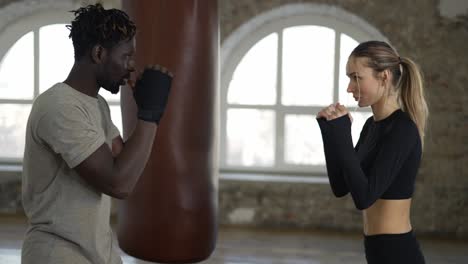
[131,66]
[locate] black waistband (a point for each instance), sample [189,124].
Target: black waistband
[389,236]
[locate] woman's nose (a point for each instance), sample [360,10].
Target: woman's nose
[350,88]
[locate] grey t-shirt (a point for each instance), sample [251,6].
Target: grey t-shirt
[69,219]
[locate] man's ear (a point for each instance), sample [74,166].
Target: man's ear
[98,54]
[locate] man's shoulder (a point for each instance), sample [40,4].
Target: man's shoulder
[56,97]
[102,101]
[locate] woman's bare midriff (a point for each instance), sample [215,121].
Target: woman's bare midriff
[387,217]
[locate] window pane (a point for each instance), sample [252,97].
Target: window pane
[116,115]
[303,141]
[250,137]
[56,55]
[17,70]
[359,118]
[347,46]
[308,65]
[109,96]
[254,80]
[13,119]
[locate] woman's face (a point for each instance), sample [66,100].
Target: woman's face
[365,87]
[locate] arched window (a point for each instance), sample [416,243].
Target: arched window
[278,71]
[35,54]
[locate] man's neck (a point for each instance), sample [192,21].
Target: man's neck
[82,79]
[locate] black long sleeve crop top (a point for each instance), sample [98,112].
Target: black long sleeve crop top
[384,163]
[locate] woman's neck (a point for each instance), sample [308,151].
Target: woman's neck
[385,107]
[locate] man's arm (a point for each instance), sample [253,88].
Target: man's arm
[115,172]
[117,176]
[117,146]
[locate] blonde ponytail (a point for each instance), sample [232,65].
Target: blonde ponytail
[412,99]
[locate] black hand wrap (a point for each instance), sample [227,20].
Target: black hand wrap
[151,94]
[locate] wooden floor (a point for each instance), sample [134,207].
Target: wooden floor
[245,246]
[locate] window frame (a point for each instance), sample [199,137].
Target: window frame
[8,37]
[238,43]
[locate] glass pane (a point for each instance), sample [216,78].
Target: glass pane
[359,118]
[57,58]
[303,141]
[347,46]
[56,55]
[308,65]
[17,70]
[254,80]
[13,119]
[109,96]
[250,137]
[116,116]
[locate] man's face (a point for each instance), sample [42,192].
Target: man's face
[120,63]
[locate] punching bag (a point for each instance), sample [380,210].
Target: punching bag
[171,215]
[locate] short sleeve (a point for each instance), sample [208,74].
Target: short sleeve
[70,133]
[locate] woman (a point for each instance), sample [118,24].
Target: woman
[380,171]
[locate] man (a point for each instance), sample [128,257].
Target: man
[75,159]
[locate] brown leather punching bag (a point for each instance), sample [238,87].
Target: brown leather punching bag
[170,216]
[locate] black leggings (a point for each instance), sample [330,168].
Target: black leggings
[393,249]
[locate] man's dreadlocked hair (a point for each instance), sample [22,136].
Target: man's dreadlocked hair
[95,25]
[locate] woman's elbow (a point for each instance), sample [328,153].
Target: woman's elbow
[362,205]
[339,192]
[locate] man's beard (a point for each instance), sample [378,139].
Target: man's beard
[113,88]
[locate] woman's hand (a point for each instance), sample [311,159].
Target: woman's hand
[334,111]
